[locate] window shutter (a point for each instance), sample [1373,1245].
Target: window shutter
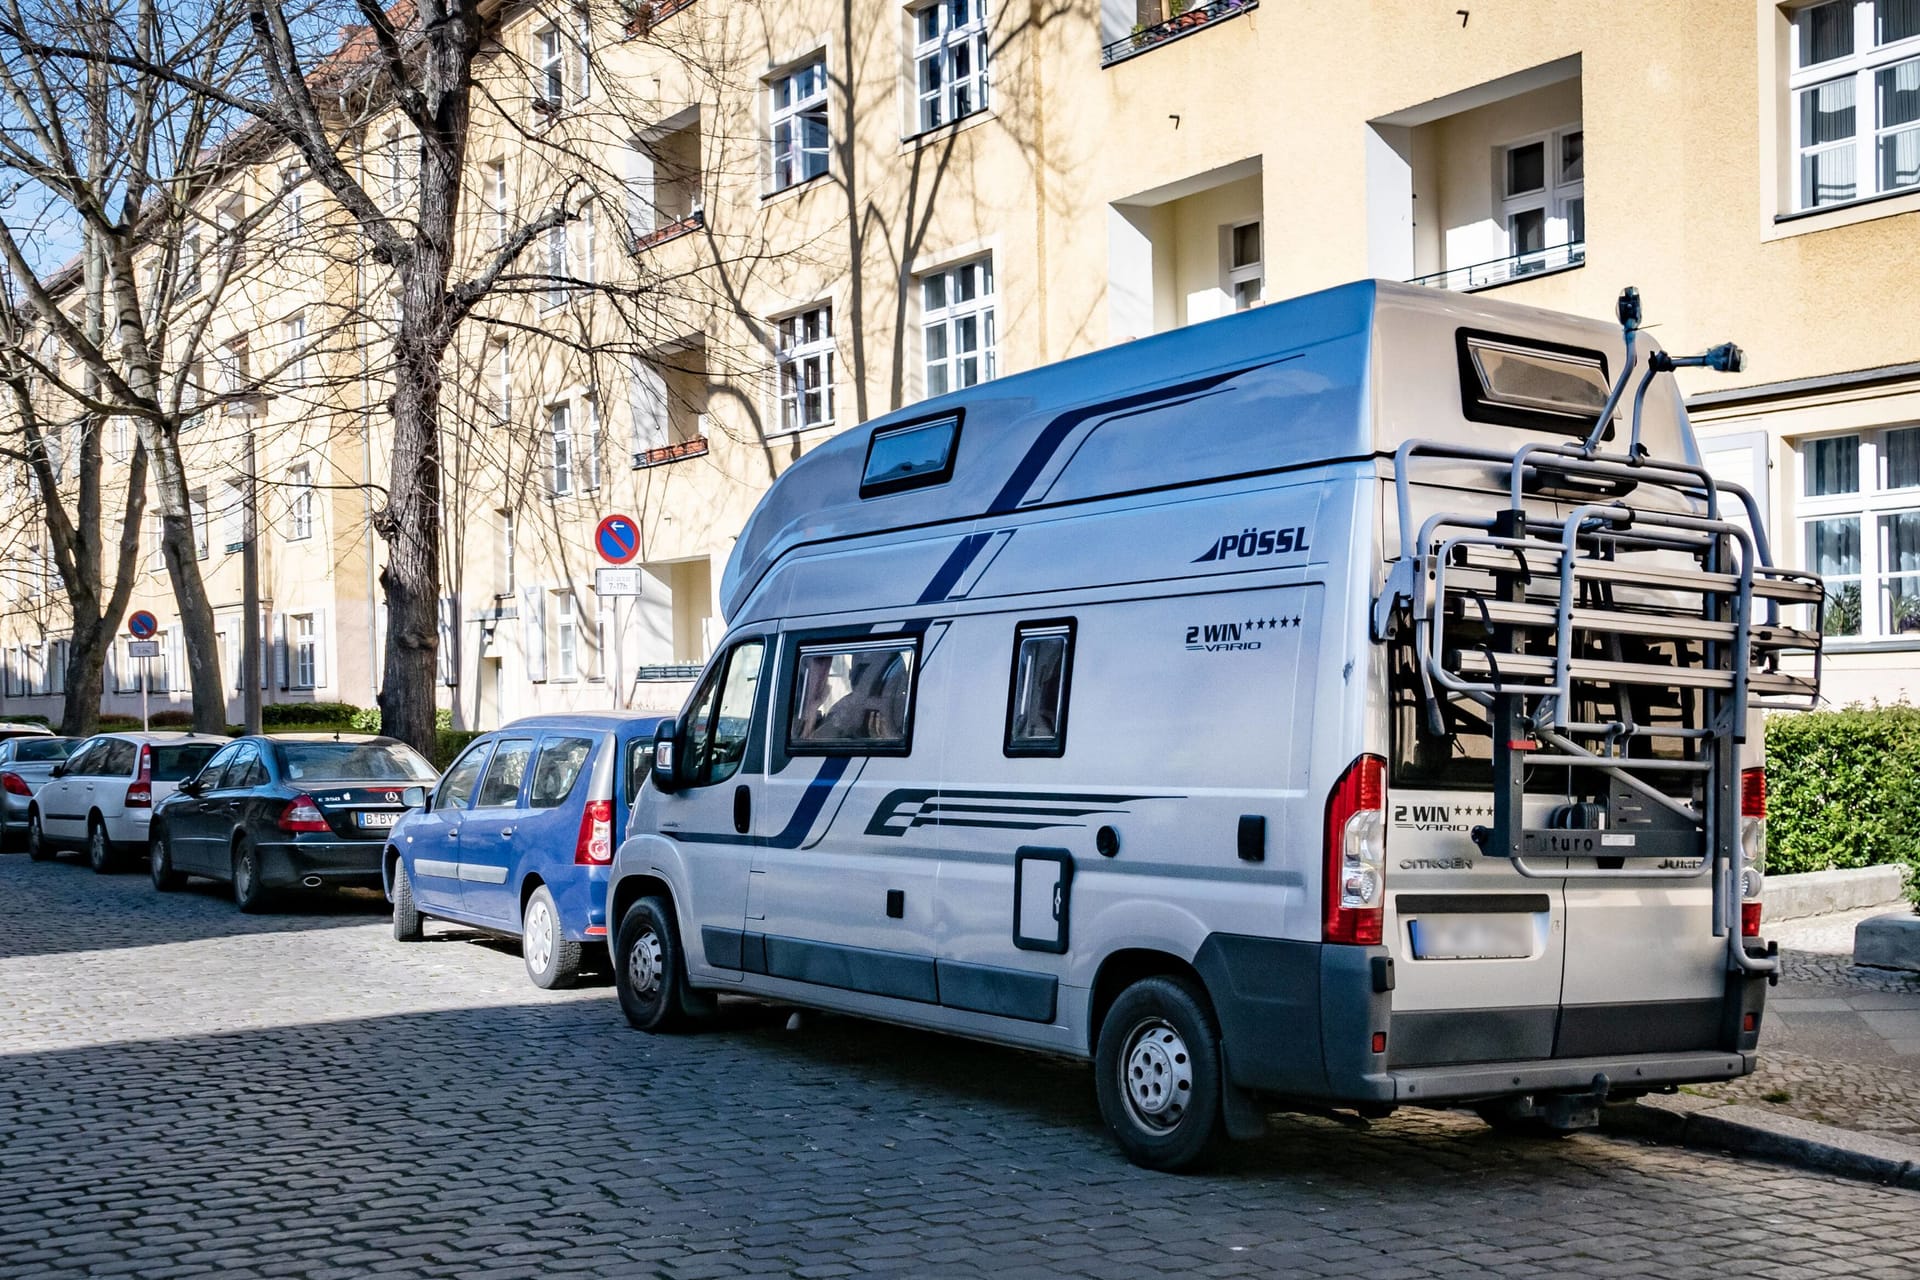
[320,647]
[281,676]
[647,399]
[641,201]
[449,660]
[533,631]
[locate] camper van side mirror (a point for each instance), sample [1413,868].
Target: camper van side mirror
[666,755]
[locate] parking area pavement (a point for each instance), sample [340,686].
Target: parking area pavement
[186,1091]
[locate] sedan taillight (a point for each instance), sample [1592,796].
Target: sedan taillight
[14,785]
[302,814]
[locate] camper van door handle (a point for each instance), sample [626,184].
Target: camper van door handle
[742,809]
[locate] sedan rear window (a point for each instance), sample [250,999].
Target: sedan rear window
[31,752]
[353,762]
[176,764]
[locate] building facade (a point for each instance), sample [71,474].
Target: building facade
[806,214]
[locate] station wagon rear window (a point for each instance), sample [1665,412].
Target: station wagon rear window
[910,455]
[176,764]
[1517,382]
[853,697]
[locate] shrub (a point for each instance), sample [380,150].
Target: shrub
[171,720]
[121,724]
[308,715]
[366,720]
[1843,788]
[449,743]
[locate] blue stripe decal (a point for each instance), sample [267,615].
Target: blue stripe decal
[804,813]
[1042,450]
[956,564]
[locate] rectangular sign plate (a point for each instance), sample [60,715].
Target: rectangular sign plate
[143,648]
[378,819]
[1508,936]
[617,582]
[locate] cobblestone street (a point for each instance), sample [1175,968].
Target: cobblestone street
[185,1090]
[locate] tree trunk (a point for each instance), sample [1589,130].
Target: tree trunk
[189,589]
[411,526]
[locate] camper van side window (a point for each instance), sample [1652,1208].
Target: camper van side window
[1037,700]
[853,697]
[1527,382]
[910,455]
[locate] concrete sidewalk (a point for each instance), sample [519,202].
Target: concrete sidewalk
[1839,1081]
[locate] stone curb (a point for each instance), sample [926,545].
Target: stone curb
[1709,1124]
[1822,893]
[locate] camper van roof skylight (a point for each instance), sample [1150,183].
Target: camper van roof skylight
[1530,383]
[909,455]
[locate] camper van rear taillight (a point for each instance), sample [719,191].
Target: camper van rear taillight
[1753,848]
[1356,850]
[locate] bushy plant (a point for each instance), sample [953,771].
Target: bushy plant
[1843,788]
[308,715]
[171,719]
[449,743]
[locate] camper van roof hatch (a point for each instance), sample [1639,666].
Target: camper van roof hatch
[1542,385]
[910,455]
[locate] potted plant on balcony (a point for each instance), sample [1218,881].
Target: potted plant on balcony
[1139,35]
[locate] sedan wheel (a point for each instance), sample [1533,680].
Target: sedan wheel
[37,847]
[248,893]
[552,961]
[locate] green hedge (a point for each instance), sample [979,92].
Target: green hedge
[308,715]
[449,743]
[1843,789]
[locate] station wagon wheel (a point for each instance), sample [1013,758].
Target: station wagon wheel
[407,924]
[37,847]
[160,864]
[1157,1073]
[552,961]
[99,848]
[649,970]
[248,893]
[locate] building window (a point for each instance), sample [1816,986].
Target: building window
[958,323]
[590,441]
[502,380]
[560,425]
[556,292]
[1246,274]
[495,180]
[188,274]
[233,517]
[799,119]
[305,651]
[805,359]
[1543,197]
[1854,79]
[296,358]
[1859,514]
[197,509]
[300,502]
[550,69]
[292,185]
[507,565]
[566,637]
[950,61]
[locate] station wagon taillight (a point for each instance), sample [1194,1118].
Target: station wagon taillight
[14,784]
[595,845]
[1356,852]
[302,814]
[1753,848]
[140,791]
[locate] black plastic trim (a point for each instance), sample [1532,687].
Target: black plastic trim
[1056,945]
[790,689]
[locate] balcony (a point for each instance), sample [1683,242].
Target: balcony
[671,231]
[1519,266]
[644,15]
[1183,19]
[694,448]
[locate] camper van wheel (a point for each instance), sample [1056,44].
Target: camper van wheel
[1157,1073]
[650,971]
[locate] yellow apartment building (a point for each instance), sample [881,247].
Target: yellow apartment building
[805,214]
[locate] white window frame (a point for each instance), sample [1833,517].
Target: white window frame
[296,363]
[1872,501]
[494,179]
[1553,199]
[947,371]
[1861,67]
[590,440]
[549,68]
[804,367]
[1242,273]
[503,379]
[198,519]
[300,502]
[945,32]
[560,460]
[508,557]
[303,649]
[804,87]
[293,180]
[233,516]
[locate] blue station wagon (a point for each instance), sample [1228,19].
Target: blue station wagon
[517,837]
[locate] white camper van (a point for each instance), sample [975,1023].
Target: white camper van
[1352,702]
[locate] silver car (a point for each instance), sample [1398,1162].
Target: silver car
[26,760]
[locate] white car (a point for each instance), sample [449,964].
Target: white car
[101,797]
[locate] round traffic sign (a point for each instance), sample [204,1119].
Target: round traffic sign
[617,539]
[142,624]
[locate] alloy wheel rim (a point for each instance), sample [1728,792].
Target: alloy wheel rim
[158,855]
[97,847]
[644,964]
[539,935]
[243,876]
[1156,1075]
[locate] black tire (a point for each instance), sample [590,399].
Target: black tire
[160,865]
[37,847]
[407,926]
[552,961]
[100,854]
[650,971]
[249,894]
[1157,1072]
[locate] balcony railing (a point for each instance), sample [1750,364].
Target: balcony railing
[673,230]
[644,15]
[1485,275]
[1185,23]
[667,671]
[693,448]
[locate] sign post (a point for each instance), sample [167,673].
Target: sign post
[142,626]
[617,539]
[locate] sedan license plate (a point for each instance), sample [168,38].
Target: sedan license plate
[380,820]
[1508,936]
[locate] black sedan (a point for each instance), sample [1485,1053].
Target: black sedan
[292,810]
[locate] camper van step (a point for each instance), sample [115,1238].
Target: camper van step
[1472,609]
[1474,664]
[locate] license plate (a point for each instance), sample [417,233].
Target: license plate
[1473,937]
[381,820]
